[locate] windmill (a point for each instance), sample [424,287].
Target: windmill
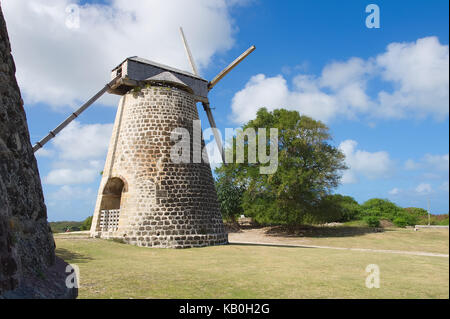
[144,198]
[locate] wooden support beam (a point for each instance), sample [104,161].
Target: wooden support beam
[230,67]
[212,123]
[188,51]
[74,115]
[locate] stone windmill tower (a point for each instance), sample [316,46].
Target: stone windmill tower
[144,198]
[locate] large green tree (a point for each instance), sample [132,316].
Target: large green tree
[230,198]
[309,168]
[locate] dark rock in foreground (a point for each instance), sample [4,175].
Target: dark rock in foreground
[28,268]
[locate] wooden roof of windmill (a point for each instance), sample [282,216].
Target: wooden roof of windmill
[134,70]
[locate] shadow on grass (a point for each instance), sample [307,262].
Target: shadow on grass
[70,256]
[321,231]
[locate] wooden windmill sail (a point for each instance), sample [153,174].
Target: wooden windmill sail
[144,198]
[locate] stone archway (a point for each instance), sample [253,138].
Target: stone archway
[111,204]
[112,193]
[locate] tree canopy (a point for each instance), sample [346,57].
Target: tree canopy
[309,168]
[230,198]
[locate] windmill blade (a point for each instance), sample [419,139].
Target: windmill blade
[230,67]
[188,51]
[74,115]
[212,123]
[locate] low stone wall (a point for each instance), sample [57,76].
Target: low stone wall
[430,226]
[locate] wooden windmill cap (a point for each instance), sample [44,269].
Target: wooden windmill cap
[134,70]
[169,78]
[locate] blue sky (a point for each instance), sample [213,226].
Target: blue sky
[383,92]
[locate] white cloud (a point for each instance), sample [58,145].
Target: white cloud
[417,73]
[424,189]
[71,193]
[81,152]
[240,2]
[411,165]
[80,142]
[72,172]
[43,152]
[363,163]
[259,91]
[69,176]
[431,176]
[431,167]
[273,93]
[420,73]
[439,163]
[296,68]
[64,66]
[394,191]
[340,74]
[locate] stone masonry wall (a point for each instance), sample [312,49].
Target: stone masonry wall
[163,204]
[27,249]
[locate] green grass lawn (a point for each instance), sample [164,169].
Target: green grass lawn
[113,270]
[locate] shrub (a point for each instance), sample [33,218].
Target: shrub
[434,220]
[381,208]
[443,221]
[372,221]
[87,223]
[400,222]
[348,208]
[61,227]
[334,208]
[418,212]
[405,218]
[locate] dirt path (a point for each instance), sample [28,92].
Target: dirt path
[259,237]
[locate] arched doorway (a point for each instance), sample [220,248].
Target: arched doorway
[111,203]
